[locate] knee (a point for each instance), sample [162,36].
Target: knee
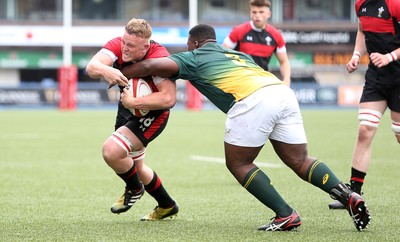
[109,154]
[365,133]
[231,167]
[301,167]
[239,170]
[296,160]
[300,164]
[106,152]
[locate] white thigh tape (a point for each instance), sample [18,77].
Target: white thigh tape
[396,127]
[138,155]
[122,141]
[369,117]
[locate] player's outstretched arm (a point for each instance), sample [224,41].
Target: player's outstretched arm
[163,67]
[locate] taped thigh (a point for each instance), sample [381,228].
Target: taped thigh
[138,155]
[122,141]
[369,117]
[396,127]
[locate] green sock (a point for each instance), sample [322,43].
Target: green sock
[321,176]
[258,184]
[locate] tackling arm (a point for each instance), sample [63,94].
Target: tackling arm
[163,67]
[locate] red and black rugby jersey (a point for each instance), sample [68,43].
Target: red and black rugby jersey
[259,43]
[379,20]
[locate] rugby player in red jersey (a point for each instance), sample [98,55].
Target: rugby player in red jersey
[124,150]
[378,35]
[260,39]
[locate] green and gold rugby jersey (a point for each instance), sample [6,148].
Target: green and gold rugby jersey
[223,75]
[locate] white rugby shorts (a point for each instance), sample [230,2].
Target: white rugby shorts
[271,112]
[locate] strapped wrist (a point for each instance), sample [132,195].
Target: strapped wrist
[356,54]
[391,56]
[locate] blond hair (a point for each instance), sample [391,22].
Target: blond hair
[139,27]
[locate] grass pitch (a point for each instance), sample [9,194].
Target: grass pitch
[55,185]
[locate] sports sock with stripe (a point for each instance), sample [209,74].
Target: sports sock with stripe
[321,176]
[156,189]
[357,180]
[258,183]
[131,179]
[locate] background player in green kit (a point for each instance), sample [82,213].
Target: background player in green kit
[259,107]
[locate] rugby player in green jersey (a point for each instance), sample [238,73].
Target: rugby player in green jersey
[259,107]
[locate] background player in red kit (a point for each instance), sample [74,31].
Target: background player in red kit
[260,39]
[379,36]
[124,150]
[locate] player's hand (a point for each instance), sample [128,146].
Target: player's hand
[115,77]
[126,100]
[379,60]
[352,65]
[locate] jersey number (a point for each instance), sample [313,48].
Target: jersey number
[236,59]
[146,122]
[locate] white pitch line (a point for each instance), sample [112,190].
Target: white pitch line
[222,161]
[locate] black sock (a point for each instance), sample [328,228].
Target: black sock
[131,179]
[357,180]
[156,189]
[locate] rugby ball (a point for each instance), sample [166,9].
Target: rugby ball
[138,87]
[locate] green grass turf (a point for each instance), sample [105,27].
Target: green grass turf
[56,187]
